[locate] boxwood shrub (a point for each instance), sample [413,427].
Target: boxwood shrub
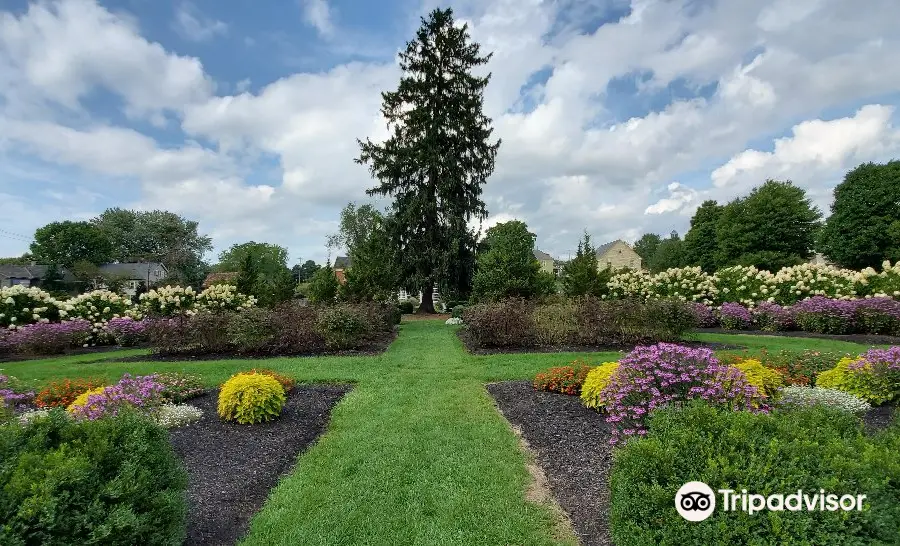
[109,481]
[807,448]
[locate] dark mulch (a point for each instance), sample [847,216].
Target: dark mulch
[473,349]
[231,468]
[571,445]
[372,347]
[865,339]
[879,418]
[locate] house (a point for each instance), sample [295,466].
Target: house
[545,260]
[617,255]
[132,274]
[341,263]
[223,277]
[29,275]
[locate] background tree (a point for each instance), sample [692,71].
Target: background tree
[323,286]
[53,280]
[646,246]
[439,153]
[372,274]
[669,253]
[262,271]
[248,274]
[157,236]
[864,227]
[506,267]
[24,259]
[580,274]
[66,243]
[700,243]
[86,274]
[773,227]
[302,273]
[270,259]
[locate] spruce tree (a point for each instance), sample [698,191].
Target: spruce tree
[438,156]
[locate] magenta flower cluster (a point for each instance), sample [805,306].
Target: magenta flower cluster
[48,337]
[704,316]
[141,392]
[654,376]
[773,317]
[734,316]
[127,331]
[888,359]
[11,398]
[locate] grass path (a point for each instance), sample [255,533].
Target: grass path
[416,454]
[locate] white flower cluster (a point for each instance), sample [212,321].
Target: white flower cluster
[168,301]
[795,395]
[177,415]
[21,305]
[223,297]
[33,415]
[452,321]
[749,285]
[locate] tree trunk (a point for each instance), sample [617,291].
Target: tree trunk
[427,305]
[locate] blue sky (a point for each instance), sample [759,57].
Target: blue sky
[617,117]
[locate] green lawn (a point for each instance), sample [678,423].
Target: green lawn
[415,454]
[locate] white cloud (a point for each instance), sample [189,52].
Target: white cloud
[571,158]
[194,26]
[318,14]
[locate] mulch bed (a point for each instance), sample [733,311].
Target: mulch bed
[473,349]
[865,339]
[571,445]
[231,468]
[373,347]
[418,316]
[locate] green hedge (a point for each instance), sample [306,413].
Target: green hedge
[110,481]
[808,449]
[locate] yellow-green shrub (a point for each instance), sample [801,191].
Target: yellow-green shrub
[766,380]
[248,398]
[82,398]
[597,379]
[860,382]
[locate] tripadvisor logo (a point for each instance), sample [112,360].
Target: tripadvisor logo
[695,501]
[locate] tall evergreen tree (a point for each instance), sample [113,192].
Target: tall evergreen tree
[439,153]
[580,274]
[646,246]
[700,243]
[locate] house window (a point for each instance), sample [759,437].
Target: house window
[156,273]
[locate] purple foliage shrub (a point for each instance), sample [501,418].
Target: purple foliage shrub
[654,376]
[704,316]
[773,317]
[127,331]
[878,316]
[825,316]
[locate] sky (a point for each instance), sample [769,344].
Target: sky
[616,117]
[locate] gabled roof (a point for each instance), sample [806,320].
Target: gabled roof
[132,270]
[341,262]
[542,255]
[23,271]
[601,250]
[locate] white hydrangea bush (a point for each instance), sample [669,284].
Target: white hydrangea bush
[744,284]
[631,283]
[177,415]
[796,395]
[885,283]
[690,284]
[223,297]
[22,305]
[803,281]
[168,301]
[99,307]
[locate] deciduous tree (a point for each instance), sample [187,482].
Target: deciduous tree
[506,267]
[700,243]
[67,243]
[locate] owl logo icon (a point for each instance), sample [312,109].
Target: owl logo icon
[695,501]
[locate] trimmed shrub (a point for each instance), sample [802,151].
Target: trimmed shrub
[343,326]
[766,380]
[809,449]
[406,307]
[61,394]
[554,324]
[652,377]
[563,379]
[597,379]
[794,395]
[504,324]
[248,398]
[457,310]
[825,316]
[250,331]
[294,330]
[202,333]
[109,481]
